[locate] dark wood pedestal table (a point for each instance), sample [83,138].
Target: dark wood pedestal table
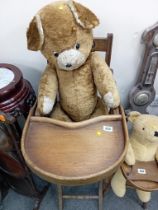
[16,93]
[16,98]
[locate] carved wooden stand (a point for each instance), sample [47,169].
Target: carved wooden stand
[16,99]
[19,172]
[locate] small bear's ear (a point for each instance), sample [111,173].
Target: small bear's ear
[35,35]
[133,116]
[83,16]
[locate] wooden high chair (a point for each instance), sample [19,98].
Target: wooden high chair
[142,176]
[76,153]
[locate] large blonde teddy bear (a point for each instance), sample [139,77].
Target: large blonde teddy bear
[143,146]
[62,31]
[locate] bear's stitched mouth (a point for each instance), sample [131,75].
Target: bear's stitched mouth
[156,133]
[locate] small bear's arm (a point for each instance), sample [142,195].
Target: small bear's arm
[47,91]
[104,81]
[130,157]
[156,156]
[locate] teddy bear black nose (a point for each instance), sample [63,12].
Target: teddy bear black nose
[156,133]
[68,65]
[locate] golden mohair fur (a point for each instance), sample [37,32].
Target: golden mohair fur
[33,37]
[143,146]
[86,15]
[65,29]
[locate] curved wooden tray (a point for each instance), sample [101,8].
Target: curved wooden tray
[74,153]
[145,182]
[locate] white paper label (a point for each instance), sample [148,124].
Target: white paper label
[141,171]
[107,128]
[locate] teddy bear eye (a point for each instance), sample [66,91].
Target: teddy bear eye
[77,46]
[56,54]
[143,128]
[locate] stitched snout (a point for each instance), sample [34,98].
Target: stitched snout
[156,133]
[70,59]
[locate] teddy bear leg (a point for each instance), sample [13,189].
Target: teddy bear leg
[59,114]
[144,196]
[118,184]
[100,109]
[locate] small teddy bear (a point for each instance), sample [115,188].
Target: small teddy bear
[143,146]
[62,31]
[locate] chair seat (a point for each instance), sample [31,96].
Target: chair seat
[74,153]
[143,175]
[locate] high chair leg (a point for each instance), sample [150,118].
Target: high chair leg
[101,198]
[60,197]
[145,205]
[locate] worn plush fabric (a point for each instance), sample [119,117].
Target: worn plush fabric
[62,32]
[143,146]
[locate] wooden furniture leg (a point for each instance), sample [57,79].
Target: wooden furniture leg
[101,198]
[60,197]
[106,184]
[145,205]
[39,198]
[1,205]
[98,197]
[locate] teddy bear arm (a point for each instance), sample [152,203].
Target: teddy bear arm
[130,157]
[104,81]
[47,91]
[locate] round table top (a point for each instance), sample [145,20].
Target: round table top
[11,81]
[74,153]
[16,93]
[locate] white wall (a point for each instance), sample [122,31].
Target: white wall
[127,19]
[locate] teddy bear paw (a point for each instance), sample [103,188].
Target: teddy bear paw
[130,162]
[144,196]
[109,100]
[47,105]
[118,184]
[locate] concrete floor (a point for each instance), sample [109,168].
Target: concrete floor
[14,201]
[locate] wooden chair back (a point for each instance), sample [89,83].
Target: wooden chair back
[104,45]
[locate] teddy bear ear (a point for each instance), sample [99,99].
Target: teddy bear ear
[35,35]
[133,116]
[83,16]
